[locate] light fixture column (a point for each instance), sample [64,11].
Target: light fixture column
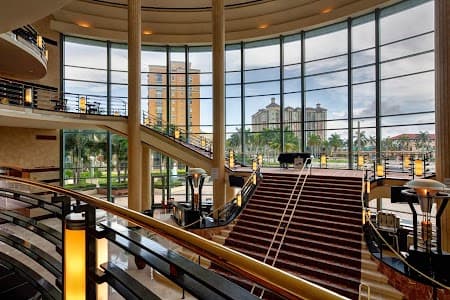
[146,179]
[218,55]
[134,106]
[442,75]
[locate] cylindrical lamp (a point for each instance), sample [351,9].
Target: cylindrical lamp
[177,133]
[28,95]
[239,199]
[82,104]
[39,41]
[418,167]
[368,186]
[360,161]
[260,159]
[323,159]
[254,179]
[203,141]
[380,171]
[254,165]
[102,257]
[406,162]
[75,257]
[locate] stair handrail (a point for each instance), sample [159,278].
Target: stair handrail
[283,283]
[246,187]
[177,134]
[307,162]
[367,220]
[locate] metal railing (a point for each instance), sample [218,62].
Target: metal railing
[284,224]
[175,268]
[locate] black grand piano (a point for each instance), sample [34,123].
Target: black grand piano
[286,158]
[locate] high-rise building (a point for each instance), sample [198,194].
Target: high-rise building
[184,97]
[269,117]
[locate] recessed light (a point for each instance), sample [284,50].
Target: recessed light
[326,10]
[263,26]
[147,32]
[84,24]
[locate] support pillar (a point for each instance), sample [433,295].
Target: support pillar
[442,77]
[218,55]
[134,106]
[146,183]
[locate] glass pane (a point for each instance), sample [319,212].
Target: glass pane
[364,104]
[326,42]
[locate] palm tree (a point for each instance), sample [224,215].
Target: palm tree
[120,150]
[423,140]
[78,146]
[314,141]
[335,142]
[361,140]
[290,141]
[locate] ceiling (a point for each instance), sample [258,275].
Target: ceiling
[14,14]
[189,21]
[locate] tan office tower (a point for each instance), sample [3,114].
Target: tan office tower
[157,93]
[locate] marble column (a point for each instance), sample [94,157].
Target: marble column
[146,171]
[134,106]
[218,55]
[442,70]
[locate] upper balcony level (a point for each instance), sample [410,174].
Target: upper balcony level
[24,54]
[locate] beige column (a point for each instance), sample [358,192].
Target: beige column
[218,52]
[134,105]
[146,171]
[442,70]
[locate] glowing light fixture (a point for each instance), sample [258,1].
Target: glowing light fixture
[46,54]
[380,171]
[74,257]
[102,257]
[323,159]
[263,26]
[28,95]
[368,187]
[84,24]
[203,141]
[260,159]
[39,41]
[177,133]
[326,10]
[254,165]
[231,158]
[82,104]
[147,32]
[239,199]
[360,161]
[254,179]
[418,167]
[406,162]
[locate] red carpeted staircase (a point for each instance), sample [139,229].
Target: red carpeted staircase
[323,240]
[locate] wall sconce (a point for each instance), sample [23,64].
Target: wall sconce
[418,167]
[239,199]
[406,162]
[177,133]
[260,159]
[39,41]
[380,171]
[74,257]
[360,161]
[28,95]
[231,159]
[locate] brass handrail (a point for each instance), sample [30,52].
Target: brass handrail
[281,282]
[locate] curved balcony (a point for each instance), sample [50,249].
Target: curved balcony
[24,53]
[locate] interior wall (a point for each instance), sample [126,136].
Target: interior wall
[28,147]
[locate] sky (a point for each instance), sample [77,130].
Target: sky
[326,77]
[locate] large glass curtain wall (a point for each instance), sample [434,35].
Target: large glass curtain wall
[365,85]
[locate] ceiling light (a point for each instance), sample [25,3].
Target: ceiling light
[263,26]
[147,32]
[326,10]
[84,24]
